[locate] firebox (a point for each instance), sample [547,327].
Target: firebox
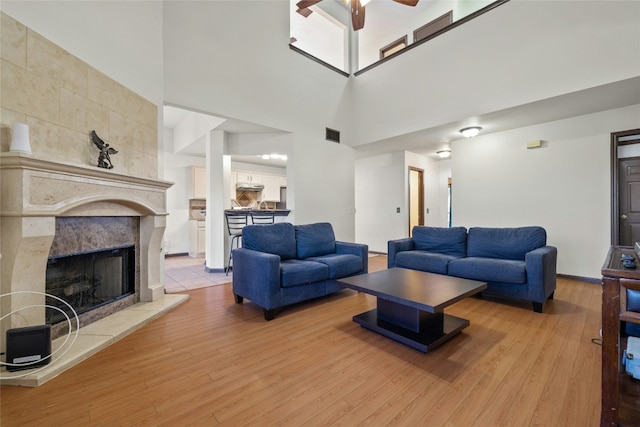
[89,280]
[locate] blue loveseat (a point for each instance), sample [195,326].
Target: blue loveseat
[282,264]
[515,262]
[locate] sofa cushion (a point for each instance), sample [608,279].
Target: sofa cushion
[340,265]
[504,243]
[314,240]
[448,241]
[431,262]
[278,239]
[489,270]
[294,272]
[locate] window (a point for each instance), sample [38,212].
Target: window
[393,47]
[433,26]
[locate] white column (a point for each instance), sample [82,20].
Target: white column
[218,199]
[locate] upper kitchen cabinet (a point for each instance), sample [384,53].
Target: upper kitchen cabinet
[198,188]
[250,178]
[271,191]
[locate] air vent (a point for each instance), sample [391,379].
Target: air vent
[333,135]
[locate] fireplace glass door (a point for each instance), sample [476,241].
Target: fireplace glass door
[88,280]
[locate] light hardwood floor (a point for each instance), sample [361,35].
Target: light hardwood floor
[212,362]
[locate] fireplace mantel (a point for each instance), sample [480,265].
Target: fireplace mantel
[33,186]
[36,190]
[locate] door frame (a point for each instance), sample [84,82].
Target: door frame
[617,140]
[420,196]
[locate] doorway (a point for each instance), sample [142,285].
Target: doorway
[416,198]
[625,187]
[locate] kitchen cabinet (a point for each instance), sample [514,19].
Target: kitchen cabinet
[252,178]
[198,188]
[197,238]
[271,182]
[271,191]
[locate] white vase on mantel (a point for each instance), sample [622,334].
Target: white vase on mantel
[20,139]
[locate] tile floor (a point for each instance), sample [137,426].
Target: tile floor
[184,273]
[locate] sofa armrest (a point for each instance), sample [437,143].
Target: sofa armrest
[395,246]
[256,276]
[541,272]
[358,249]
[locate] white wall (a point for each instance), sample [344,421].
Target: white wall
[111,36]
[441,219]
[381,187]
[563,186]
[223,72]
[176,235]
[122,39]
[520,52]
[322,188]
[177,169]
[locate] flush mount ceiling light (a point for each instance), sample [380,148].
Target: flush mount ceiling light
[443,154]
[282,157]
[471,131]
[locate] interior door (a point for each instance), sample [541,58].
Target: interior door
[416,198]
[629,200]
[625,187]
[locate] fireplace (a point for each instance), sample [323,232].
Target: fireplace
[52,210]
[88,281]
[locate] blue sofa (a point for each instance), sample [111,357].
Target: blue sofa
[282,264]
[515,262]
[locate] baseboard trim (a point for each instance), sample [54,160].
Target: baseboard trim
[213,270]
[581,278]
[178,254]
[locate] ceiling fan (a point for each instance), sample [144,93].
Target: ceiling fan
[357,9]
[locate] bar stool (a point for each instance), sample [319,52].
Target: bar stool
[265,217]
[236,221]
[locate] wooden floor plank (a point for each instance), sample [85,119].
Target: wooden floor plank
[213,362]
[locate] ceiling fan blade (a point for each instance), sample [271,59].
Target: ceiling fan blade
[357,15]
[303,4]
[305,12]
[407,2]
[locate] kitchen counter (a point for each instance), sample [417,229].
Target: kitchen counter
[276,212]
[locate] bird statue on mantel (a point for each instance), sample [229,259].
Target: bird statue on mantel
[104,158]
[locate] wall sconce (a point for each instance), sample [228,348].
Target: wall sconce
[20,138]
[443,154]
[471,131]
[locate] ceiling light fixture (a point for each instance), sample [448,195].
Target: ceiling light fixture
[471,131]
[443,154]
[282,157]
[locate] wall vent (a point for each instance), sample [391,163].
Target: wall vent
[332,135]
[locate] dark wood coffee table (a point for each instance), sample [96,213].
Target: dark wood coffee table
[411,305]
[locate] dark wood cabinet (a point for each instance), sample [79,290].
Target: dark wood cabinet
[620,392]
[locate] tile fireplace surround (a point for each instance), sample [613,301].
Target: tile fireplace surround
[34,192]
